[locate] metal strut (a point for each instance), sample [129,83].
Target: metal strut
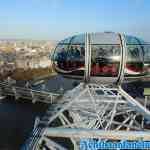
[95,111]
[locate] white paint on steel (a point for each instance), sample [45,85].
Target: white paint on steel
[87,57]
[95,133]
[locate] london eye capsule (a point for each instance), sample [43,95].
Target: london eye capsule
[103,57]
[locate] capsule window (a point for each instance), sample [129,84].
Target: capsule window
[105,54]
[105,60]
[147,58]
[69,56]
[135,57]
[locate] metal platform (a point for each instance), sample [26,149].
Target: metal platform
[90,111]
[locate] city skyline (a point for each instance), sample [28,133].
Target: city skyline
[56,19]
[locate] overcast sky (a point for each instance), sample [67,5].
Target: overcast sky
[56,19]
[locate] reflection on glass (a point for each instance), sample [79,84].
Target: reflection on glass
[69,56]
[147,59]
[135,57]
[105,60]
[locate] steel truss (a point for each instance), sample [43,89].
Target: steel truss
[95,111]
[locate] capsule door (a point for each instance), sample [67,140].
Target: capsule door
[105,57]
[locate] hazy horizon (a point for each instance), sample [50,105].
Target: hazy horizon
[57,19]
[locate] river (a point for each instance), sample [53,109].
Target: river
[17,117]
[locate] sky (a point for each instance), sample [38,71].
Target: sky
[57,19]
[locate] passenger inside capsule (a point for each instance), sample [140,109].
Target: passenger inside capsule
[105,60]
[69,58]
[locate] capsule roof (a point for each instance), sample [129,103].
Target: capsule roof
[102,38]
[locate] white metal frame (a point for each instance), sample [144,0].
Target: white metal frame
[87,57]
[93,115]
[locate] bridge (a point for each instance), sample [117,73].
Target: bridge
[10,88]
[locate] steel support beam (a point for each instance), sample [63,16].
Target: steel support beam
[95,133]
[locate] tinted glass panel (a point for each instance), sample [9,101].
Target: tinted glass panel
[106,51]
[135,57]
[80,39]
[105,60]
[147,58]
[69,56]
[66,41]
[105,38]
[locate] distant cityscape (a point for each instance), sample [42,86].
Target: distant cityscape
[24,55]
